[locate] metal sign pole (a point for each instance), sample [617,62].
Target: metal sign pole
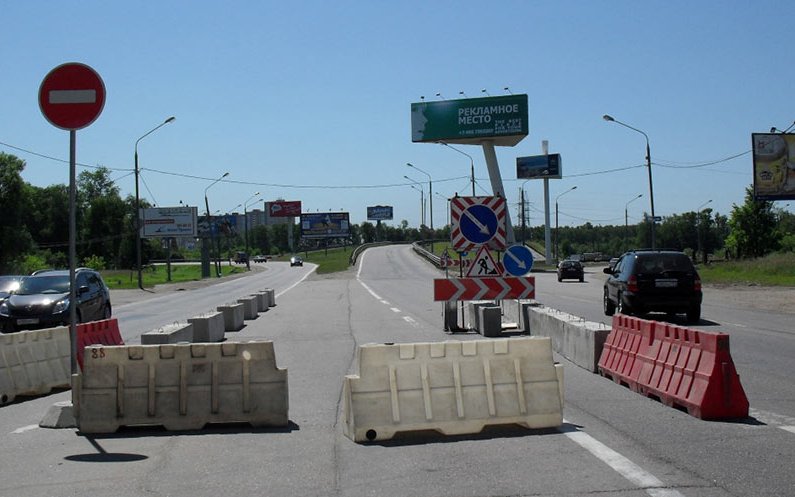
[72,249]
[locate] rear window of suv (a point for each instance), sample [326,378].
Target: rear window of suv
[662,263]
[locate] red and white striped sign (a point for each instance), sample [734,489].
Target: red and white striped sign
[459,207]
[452,289]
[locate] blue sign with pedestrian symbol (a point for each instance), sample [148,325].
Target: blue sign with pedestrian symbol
[518,260]
[478,224]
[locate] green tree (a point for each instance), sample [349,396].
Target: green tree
[754,230]
[15,240]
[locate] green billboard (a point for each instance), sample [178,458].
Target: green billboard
[471,121]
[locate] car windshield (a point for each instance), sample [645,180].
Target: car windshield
[9,283]
[44,284]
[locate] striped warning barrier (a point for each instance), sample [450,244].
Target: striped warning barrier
[34,362]
[180,386]
[683,367]
[452,387]
[104,332]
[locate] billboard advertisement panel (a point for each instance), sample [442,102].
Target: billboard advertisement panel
[284,208]
[539,166]
[325,225]
[774,166]
[501,120]
[161,222]
[379,213]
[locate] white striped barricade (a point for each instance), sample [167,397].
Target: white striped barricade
[34,362]
[180,386]
[452,387]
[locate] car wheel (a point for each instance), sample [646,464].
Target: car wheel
[107,312]
[582,279]
[694,314]
[560,279]
[608,305]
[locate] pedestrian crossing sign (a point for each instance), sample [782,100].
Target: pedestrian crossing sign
[484,265]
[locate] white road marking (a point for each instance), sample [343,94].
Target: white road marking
[295,284]
[410,321]
[384,302]
[24,429]
[623,466]
[780,421]
[394,309]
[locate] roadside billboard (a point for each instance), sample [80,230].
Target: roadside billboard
[284,208]
[539,166]
[774,166]
[379,213]
[325,225]
[158,222]
[469,121]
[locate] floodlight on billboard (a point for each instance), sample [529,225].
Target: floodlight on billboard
[470,121]
[774,166]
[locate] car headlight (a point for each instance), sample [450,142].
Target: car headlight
[60,306]
[4,309]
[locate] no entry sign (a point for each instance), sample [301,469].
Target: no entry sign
[72,96]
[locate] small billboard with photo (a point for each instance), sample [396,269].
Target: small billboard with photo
[379,213]
[325,225]
[161,222]
[539,166]
[774,166]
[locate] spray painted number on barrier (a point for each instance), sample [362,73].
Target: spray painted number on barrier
[97,353]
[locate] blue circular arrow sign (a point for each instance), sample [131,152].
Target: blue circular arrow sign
[518,260]
[478,224]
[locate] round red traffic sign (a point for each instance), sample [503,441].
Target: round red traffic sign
[72,96]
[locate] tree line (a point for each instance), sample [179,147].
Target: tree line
[34,229]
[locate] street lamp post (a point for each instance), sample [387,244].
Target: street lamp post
[448,206]
[138,203]
[430,190]
[648,165]
[471,164]
[422,198]
[422,203]
[556,218]
[245,218]
[698,230]
[207,206]
[626,219]
[524,219]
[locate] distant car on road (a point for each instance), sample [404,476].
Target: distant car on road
[569,269]
[42,300]
[260,258]
[296,261]
[241,258]
[653,281]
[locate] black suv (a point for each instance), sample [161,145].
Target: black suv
[42,300]
[653,281]
[569,269]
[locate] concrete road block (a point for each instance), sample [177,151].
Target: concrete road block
[263,301]
[452,387]
[208,327]
[181,387]
[473,315]
[233,316]
[173,333]
[250,307]
[577,340]
[271,293]
[490,320]
[34,362]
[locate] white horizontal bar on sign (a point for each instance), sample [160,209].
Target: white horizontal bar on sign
[73,96]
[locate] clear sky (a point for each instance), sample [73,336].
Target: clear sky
[310,100]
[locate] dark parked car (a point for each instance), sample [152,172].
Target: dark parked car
[653,281]
[571,270]
[8,285]
[42,300]
[296,261]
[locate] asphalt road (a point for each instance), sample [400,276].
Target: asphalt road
[613,442]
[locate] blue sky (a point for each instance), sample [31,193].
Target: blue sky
[311,100]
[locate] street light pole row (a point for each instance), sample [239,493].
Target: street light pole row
[212,235]
[556,219]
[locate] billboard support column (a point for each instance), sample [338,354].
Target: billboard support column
[547,229]
[497,187]
[290,223]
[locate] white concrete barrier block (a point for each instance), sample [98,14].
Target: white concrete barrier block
[490,321]
[233,316]
[34,362]
[576,339]
[181,386]
[173,333]
[250,307]
[263,301]
[452,387]
[208,327]
[271,296]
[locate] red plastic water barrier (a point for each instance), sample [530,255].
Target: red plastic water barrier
[683,367]
[105,332]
